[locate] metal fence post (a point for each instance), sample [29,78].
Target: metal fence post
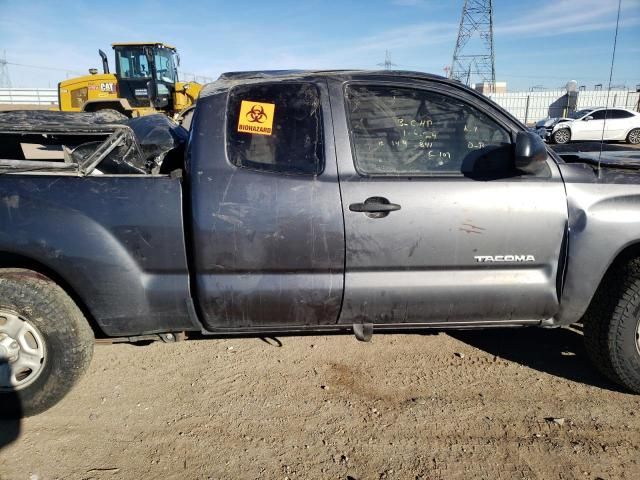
[526,110]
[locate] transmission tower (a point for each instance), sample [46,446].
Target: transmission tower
[5,80]
[473,56]
[387,64]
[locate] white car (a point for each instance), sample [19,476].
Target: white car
[620,124]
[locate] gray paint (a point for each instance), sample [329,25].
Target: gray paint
[259,252]
[268,249]
[116,241]
[417,264]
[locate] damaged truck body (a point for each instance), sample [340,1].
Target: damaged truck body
[305,202]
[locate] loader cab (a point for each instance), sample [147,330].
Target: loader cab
[146,73]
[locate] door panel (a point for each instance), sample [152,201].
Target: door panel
[592,129]
[459,248]
[268,230]
[419,263]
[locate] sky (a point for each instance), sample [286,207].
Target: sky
[537,43]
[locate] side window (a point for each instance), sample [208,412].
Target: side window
[403,131]
[600,115]
[276,127]
[620,114]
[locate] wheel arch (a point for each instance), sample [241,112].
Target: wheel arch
[626,134]
[119,104]
[623,256]
[9,260]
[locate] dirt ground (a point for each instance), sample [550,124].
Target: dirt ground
[513,404]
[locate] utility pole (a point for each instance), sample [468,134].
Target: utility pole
[387,61]
[474,54]
[5,80]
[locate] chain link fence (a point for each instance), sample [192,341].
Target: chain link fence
[530,107]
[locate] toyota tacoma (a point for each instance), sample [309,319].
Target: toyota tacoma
[303,202]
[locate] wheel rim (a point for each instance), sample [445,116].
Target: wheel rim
[634,136]
[562,136]
[22,352]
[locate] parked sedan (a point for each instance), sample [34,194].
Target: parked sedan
[544,128]
[600,124]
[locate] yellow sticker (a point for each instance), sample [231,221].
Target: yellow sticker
[256,117]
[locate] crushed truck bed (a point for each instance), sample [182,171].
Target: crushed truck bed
[104,142]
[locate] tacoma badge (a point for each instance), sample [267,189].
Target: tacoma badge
[504,258]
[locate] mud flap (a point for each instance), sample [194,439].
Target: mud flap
[363,331]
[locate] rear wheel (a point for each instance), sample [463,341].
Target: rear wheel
[45,343]
[612,326]
[634,136]
[561,136]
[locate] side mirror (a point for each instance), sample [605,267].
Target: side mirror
[530,153]
[586,119]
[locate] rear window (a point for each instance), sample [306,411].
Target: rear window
[276,127]
[620,114]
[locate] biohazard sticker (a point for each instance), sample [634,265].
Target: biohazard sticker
[256,117]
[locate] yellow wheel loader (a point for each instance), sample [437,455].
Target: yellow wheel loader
[145,82]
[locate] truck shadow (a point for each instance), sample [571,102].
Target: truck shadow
[10,418]
[559,352]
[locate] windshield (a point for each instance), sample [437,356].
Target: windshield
[132,63]
[165,68]
[580,113]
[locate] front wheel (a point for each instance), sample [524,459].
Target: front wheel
[561,136]
[612,326]
[634,136]
[45,343]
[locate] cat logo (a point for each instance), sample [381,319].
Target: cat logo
[107,87]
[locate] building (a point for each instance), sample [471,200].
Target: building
[487,87]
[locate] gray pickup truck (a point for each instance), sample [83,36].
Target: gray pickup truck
[306,202]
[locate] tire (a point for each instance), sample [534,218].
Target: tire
[185,117]
[612,326]
[111,114]
[41,327]
[634,137]
[561,136]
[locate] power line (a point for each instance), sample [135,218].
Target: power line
[45,68]
[613,57]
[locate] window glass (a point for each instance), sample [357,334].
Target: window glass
[403,131]
[580,113]
[600,115]
[133,63]
[275,127]
[620,114]
[165,70]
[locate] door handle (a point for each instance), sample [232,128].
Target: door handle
[373,205]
